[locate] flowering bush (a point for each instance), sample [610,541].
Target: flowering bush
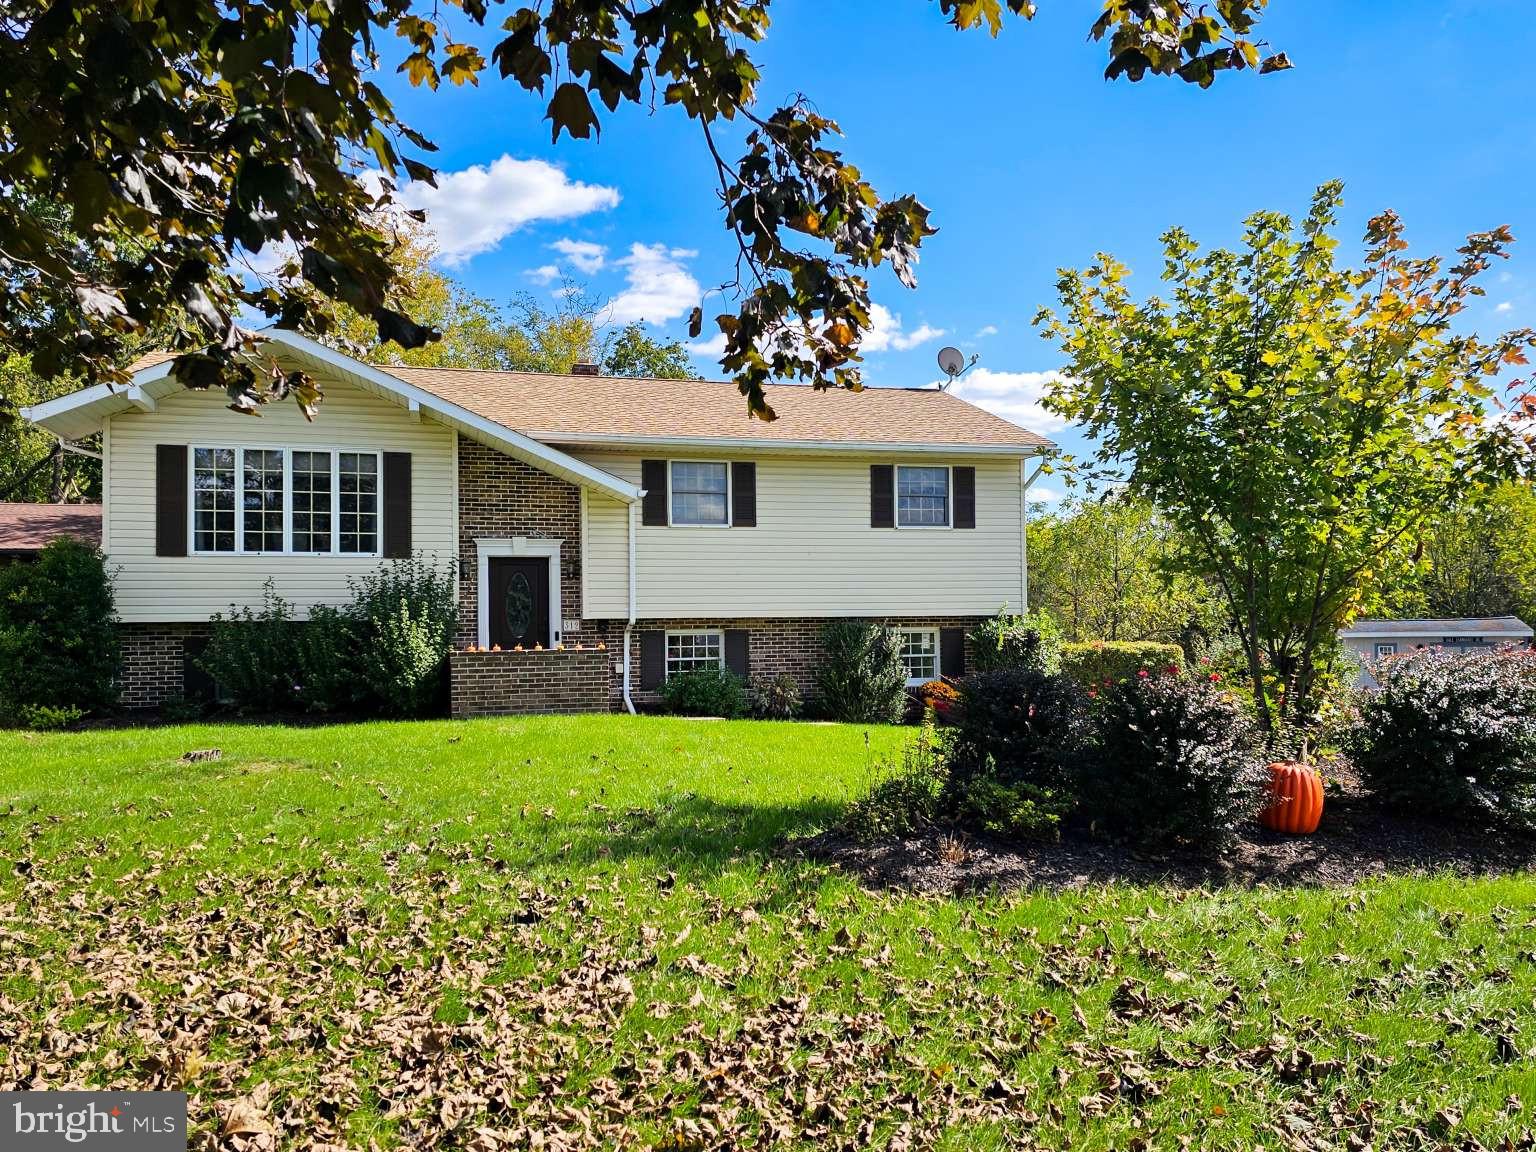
[774,697]
[1175,762]
[1449,734]
[942,697]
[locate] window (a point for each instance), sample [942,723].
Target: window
[311,501]
[359,526]
[700,493]
[1385,650]
[272,500]
[213,499]
[262,499]
[922,497]
[688,651]
[919,653]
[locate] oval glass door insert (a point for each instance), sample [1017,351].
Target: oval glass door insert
[519,605]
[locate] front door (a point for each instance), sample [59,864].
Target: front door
[519,601]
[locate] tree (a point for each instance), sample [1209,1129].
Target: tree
[1479,560]
[1101,568]
[206,132]
[634,352]
[1297,423]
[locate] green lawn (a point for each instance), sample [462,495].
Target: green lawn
[569,933]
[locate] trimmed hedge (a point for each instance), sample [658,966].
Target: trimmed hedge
[1093,663]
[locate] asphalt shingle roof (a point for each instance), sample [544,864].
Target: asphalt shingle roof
[25,528]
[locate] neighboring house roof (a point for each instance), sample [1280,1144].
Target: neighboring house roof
[603,410]
[613,410]
[1508,627]
[26,528]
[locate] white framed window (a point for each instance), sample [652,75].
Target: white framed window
[919,649]
[310,501]
[694,648]
[1385,650]
[922,496]
[701,493]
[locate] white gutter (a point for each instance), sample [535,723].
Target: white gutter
[629,704]
[841,447]
[1025,484]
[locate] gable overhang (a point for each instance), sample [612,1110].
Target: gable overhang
[82,413]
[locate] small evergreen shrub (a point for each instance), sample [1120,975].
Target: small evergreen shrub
[774,697]
[58,633]
[1011,764]
[1005,641]
[403,616]
[1099,663]
[705,692]
[251,653]
[1448,734]
[1176,762]
[904,799]
[47,718]
[861,679]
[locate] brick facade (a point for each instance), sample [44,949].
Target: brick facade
[501,498]
[520,683]
[773,646]
[153,662]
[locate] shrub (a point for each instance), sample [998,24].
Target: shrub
[1005,641]
[905,799]
[402,617]
[1094,663]
[942,697]
[861,678]
[58,632]
[326,654]
[1449,734]
[705,692]
[251,654]
[1012,760]
[1176,762]
[47,718]
[774,697]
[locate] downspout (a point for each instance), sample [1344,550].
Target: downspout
[1025,482]
[629,704]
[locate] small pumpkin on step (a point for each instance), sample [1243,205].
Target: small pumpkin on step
[1295,802]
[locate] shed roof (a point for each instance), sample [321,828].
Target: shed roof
[1503,626]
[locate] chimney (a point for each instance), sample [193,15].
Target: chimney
[584,368]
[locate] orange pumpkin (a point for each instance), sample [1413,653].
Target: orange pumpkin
[1295,799]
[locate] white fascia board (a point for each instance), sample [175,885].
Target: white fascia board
[837,447]
[445,411]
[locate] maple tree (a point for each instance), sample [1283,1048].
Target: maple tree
[1298,423]
[183,138]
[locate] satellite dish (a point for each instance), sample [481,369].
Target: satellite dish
[951,362]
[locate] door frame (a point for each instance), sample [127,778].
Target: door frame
[512,547]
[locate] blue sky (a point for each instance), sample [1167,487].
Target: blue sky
[1028,159]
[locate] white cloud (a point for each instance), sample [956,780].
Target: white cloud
[543,274]
[1014,396]
[473,210]
[984,332]
[660,286]
[587,256]
[710,348]
[885,332]
[1506,306]
[1044,494]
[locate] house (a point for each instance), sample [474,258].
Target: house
[26,528]
[1372,640]
[618,531]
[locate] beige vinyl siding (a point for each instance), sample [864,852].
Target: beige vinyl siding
[154,588]
[813,552]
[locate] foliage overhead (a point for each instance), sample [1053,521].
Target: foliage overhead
[1296,422]
[1478,561]
[183,138]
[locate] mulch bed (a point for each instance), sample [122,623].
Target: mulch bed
[1356,841]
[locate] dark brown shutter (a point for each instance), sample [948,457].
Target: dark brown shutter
[653,660]
[952,651]
[170,499]
[736,649]
[653,478]
[397,505]
[743,495]
[882,496]
[965,497]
